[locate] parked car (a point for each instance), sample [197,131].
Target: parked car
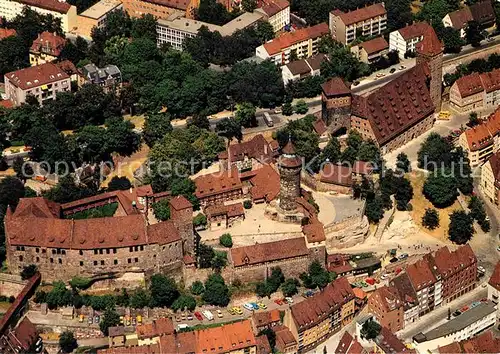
[392,70]
[498,248]
[134,323]
[248,306]
[189,317]
[456,313]
[97,319]
[309,293]
[262,305]
[402,67]
[403,256]
[81,318]
[177,318]
[465,308]
[254,305]
[289,300]
[481,269]
[238,310]
[219,314]
[209,316]
[198,316]
[279,302]
[91,320]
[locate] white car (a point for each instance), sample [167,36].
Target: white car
[384,276]
[208,315]
[248,306]
[219,313]
[289,300]
[481,269]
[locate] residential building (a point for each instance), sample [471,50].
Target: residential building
[494,288]
[64,247]
[23,339]
[408,296]
[96,16]
[367,21]
[341,178]
[482,141]
[247,155]
[460,328]
[267,319]
[160,9]
[300,69]
[173,30]
[481,12]
[490,178]
[46,48]
[7,32]
[349,345]
[404,40]
[285,341]
[41,81]
[231,338]
[277,13]
[302,43]
[387,343]
[387,307]
[220,217]
[427,287]
[476,91]
[482,343]
[371,51]
[109,77]
[336,102]
[315,319]
[150,333]
[59,9]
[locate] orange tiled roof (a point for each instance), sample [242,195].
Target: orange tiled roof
[335,86]
[362,14]
[430,44]
[414,30]
[460,18]
[420,274]
[266,318]
[491,80]
[35,76]
[336,174]
[48,43]
[216,183]
[272,7]
[157,328]
[374,45]
[469,85]
[290,38]
[51,5]
[7,32]
[495,277]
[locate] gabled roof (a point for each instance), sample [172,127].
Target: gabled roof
[460,18]
[361,14]
[495,277]
[414,30]
[7,32]
[51,5]
[319,126]
[266,318]
[483,12]
[48,43]
[336,174]
[430,44]
[257,148]
[36,76]
[420,274]
[375,45]
[390,343]
[344,344]
[448,263]
[216,183]
[389,297]
[396,106]
[491,80]
[335,87]
[290,38]
[469,85]
[272,7]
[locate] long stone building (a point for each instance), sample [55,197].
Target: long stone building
[41,232]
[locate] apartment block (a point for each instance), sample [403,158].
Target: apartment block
[277,13]
[476,91]
[302,43]
[161,9]
[482,141]
[490,178]
[315,319]
[41,81]
[427,286]
[96,16]
[46,48]
[371,51]
[367,21]
[405,40]
[494,288]
[387,307]
[59,9]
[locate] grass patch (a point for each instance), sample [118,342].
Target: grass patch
[107,210]
[420,203]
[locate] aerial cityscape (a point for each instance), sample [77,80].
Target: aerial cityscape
[249,176]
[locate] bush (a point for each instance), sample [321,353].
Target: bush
[28,271]
[199,220]
[80,283]
[301,107]
[226,240]
[197,288]
[247,204]
[430,219]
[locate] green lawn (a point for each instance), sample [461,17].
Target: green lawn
[100,212]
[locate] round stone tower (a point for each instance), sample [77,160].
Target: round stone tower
[289,166]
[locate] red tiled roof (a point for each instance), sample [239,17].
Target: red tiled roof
[469,85]
[316,308]
[269,252]
[175,4]
[24,335]
[390,343]
[491,80]
[335,87]
[449,262]
[345,342]
[265,183]
[416,29]
[263,346]
[217,183]
[68,67]
[336,174]
[7,32]
[420,274]
[227,338]
[290,38]
[256,148]
[452,348]
[430,44]
[319,126]
[266,318]
[38,207]
[482,343]
[362,14]
[35,76]
[356,348]
[284,338]
[360,294]
[48,43]
[52,5]
[460,18]
[396,106]
[180,202]
[314,231]
[495,277]
[389,297]
[483,12]
[163,233]
[158,327]
[374,45]
[230,211]
[478,137]
[272,7]
[6,104]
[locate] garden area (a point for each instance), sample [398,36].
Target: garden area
[104,211]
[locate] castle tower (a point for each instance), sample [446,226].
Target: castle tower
[181,213]
[336,104]
[430,51]
[289,166]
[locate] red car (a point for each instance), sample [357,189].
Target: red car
[198,316]
[279,302]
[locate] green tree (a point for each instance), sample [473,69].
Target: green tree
[67,342]
[245,115]
[460,230]
[453,43]
[140,299]
[11,190]
[263,289]
[226,240]
[249,5]
[473,33]
[156,126]
[184,302]
[247,204]
[211,11]
[403,163]
[161,210]
[287,109]
[403,193]
[370,329]
[474,119]
[440,188]
[197,288]
[119,183]
[200,121]
[374,210]
[205,255]
[301,107]
[276,278]
[430,219]
[216,291]
[398,14]
[163,291]
[219,261]
[28,271]
[229,129]
[144,27]
[264,31]
[434,152]
[290,287]
[66,191]
[110,318]
[200,220]
[477,211]
[80,283]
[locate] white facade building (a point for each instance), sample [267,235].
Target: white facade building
[277,13]
[405,39]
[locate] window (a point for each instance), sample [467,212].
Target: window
[115,261]
[114,250]
[63,252]
[102,262]
[136,259]
[142,248]
[129,260]
[81,263]
[53,251]
[131,249]
[107,250]
[101,251]
[38,259]
[81,253]
[52,260]
[20,258]
[60,261]
[96,251]
[44,251]
[37,250]
[95,263]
